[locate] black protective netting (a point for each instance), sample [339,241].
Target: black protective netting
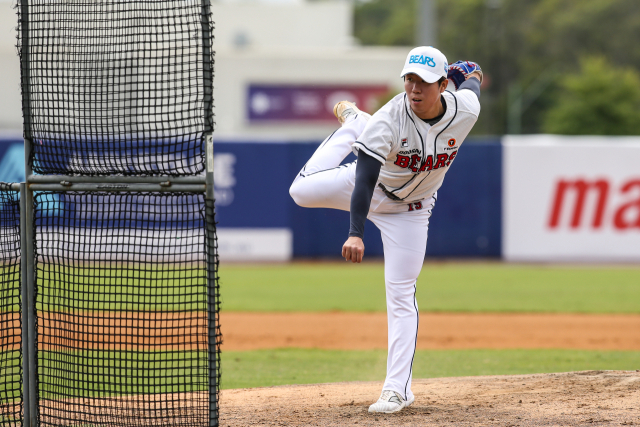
[10,309]
[124,309]
[116,87]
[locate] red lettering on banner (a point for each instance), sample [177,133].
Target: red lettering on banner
[580,187]
[619,220]
[402,161]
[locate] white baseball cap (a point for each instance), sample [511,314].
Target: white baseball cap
[427,62]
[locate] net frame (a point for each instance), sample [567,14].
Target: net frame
[51,153]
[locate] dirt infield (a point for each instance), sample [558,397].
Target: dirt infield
[346,331]
[609,398]
[361,331]
[593,398]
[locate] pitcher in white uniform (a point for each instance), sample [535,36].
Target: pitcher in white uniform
[404,151]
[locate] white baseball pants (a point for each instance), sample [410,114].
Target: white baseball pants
[322,183]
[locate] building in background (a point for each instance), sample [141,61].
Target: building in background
[280,67]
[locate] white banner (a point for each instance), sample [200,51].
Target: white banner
[255,244]
[571,198]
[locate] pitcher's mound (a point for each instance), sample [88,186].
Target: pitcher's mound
[590,398]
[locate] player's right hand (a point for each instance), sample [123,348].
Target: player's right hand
[353,249]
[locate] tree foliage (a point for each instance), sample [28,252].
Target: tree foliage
[386,22]
[600,100]
[517,43]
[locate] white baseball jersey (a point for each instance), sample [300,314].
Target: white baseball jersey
[415,155]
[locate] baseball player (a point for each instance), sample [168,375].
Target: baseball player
[404,151]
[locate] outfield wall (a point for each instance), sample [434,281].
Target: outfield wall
[527,198]
[252,191]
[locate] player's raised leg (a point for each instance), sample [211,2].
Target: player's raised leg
[322,182]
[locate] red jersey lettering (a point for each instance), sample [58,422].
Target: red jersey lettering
[428,164]
[442,159]
[402,161]
[415,162]
[451,157]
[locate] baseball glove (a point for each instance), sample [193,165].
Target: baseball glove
[458,72]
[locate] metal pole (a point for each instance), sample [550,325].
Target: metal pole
[207,68]
[114,187]
[169,180]
[30,402]
[212,289]
[25,76]
[25,308]
[29,305]
[426,33]
[212,256]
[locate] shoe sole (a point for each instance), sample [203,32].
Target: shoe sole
[404,405]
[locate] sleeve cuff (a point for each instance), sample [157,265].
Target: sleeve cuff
[360,146]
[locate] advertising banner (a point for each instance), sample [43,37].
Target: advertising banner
[571,198]
[258,220]
[267,103]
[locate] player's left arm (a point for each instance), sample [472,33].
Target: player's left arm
[367,172]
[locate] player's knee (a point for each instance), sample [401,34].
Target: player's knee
[299,194]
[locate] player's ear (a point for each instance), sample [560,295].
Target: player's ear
[443,85]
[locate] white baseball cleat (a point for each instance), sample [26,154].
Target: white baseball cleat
[389,402]
[343,109]
[410,401]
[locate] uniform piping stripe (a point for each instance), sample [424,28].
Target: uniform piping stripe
[370,152]
[324,170]
[415,342]
[435,141]
[321,145]
[424,148]
[435,144]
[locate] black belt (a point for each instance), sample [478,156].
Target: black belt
[389,194]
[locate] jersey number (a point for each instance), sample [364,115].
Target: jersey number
[415,206]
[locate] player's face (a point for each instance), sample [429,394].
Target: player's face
[424,97]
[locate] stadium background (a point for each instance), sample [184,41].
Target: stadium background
[259,151]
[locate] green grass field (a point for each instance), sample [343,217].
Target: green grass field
[442,286]
[246,369]
[446,286]
[123,373]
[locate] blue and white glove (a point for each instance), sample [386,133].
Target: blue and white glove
[458,72]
